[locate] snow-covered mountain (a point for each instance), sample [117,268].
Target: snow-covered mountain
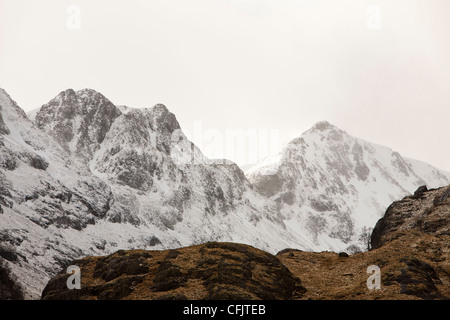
[334,187]
[88,178]
[81,176]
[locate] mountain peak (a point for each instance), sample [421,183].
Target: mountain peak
[90,94]
[69,103]
[87,91]
[164,119]
[79,120]
[160,107]
[323,126]
[71,96]
[325,130]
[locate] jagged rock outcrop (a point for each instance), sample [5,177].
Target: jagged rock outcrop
[426,211]
[212,271]
[78,120]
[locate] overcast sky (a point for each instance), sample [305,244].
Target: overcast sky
[378,69]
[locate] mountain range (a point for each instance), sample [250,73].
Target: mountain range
[81,176]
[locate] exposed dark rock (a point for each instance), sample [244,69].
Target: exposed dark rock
[419,279]
[443,198]
[288,250]
[424,212]
[165,120]
[8,254]
[119,288]
[173,254]
[9,289]
[268,185]
[168,277]
[4,192]
[38,162]
[3,128]
[85,115]
[419,192]
[287,197]
[65,196]
[8,161]
[343,255]
[322,126]
[65,222]
[210,271]
[112,267]
[172,296]
[154,241]
[322,205]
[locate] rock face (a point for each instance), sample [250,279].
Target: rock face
[427,211]
[213,271]
[3,128]
[9,288]
[78,120]
[333,187]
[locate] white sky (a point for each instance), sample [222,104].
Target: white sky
[238,64]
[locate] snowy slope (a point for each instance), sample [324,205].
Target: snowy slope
[331,186]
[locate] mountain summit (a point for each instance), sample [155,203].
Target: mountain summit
[78,120]
[332,187]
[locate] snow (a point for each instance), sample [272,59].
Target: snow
[32,114]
